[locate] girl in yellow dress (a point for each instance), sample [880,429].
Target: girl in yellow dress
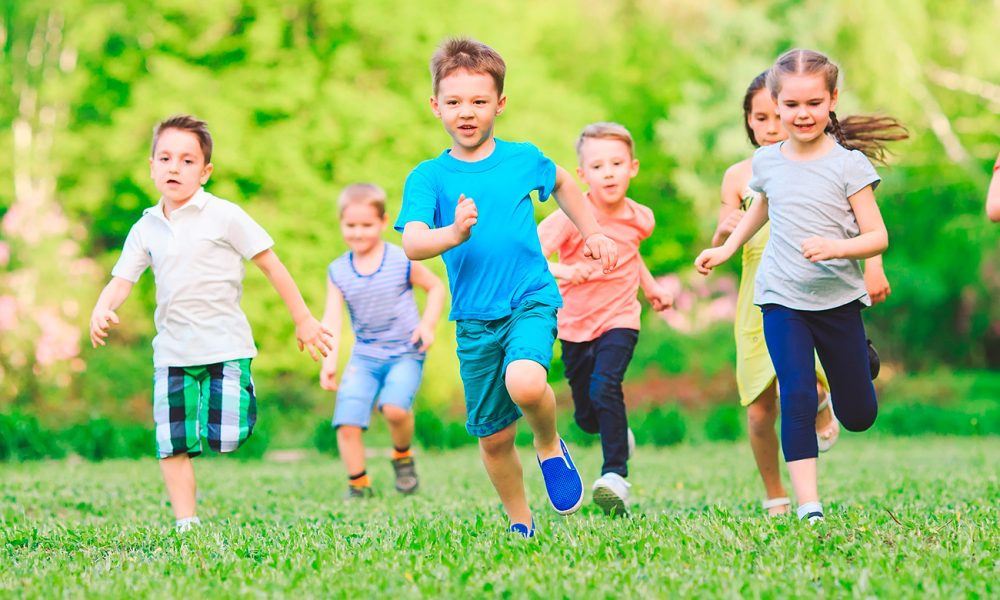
[755,376]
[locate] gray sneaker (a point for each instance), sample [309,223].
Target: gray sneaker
[359,492]
[406,475]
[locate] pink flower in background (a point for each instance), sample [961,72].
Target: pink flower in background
[699,303]
[4,254]
[8,313]
[58,341]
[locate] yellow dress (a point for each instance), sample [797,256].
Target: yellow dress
[754,371]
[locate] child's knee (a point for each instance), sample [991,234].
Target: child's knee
[348,433]
[527,382]
[396,415]
[499,442]
[605,390]
[858,421]
[761,416]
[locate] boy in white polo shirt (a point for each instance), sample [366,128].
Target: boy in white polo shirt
[196,244]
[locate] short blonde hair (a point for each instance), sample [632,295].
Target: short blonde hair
[466,53]
[362,193]
[605,131]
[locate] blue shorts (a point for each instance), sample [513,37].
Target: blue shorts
[392,381]
[485,348]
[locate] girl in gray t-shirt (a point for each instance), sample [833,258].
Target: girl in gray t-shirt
[817,190]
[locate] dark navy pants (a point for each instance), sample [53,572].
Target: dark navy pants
[838,337]
[595,370]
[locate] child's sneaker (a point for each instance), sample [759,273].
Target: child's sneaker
[359,492]
[562,482]
[406,475]
[185,525]
[812,512]
[523,530]
[611,494]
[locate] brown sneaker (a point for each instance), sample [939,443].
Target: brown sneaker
[359,492]
[406,475]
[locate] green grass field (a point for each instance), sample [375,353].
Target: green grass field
[906,518]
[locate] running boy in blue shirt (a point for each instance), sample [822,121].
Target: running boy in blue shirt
[472,206]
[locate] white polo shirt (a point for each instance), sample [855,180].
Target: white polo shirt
[197,260]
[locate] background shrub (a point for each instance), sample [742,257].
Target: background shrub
[724,423]
[325,438]
[661,427]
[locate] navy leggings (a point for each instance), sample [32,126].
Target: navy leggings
[838,337]
[595,370]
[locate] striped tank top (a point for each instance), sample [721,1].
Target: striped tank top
[383,311]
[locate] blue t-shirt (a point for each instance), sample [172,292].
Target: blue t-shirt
[383,312]
[501,265]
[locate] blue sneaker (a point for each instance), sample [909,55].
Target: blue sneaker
[562,482]
[522,530]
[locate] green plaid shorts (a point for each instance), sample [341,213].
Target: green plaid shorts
[214,401]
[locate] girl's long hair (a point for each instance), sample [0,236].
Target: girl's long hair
[759,82]
[867,133]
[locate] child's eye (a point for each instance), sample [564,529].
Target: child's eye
[188,161]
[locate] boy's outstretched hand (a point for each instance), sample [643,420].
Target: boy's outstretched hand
[100,322]
[466,215]
[711,258]
[600,247]
[314,336]
[659,298]
[328,377]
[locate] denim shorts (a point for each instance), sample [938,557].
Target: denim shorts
[393,381]
[215,402]
[485,348]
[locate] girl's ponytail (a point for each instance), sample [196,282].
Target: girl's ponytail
[867,133]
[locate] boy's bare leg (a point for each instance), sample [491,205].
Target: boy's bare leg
[178,474]
[761,416]
[503,465]
[528,387]
[352,449]
[400,425]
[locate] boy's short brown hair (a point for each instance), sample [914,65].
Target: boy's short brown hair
[362,193]
[468,54]
[605,131]
[186,123]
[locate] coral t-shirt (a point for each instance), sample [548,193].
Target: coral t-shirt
[607,300]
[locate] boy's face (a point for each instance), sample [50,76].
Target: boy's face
[606,166]
[178,165]
[361,227]
[468,104]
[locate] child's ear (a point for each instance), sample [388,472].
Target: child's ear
[833,100]
[435,108]
[501,104]
[579,173]
[206,173]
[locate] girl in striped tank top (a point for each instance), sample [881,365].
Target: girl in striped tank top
[375,280]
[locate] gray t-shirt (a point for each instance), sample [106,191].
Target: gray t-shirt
[809,198]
